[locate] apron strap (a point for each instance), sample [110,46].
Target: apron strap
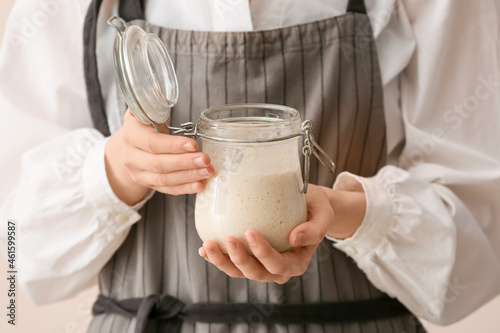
[130,10]
[94,96]
[356,6]
[173,311]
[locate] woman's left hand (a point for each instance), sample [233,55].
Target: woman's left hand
[269,265]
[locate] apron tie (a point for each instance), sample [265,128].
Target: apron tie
[153,306]
[173,312]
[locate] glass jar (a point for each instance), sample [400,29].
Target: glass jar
[258,184]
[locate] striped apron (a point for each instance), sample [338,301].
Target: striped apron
[329,71]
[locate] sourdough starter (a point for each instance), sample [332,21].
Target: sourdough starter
[233,203]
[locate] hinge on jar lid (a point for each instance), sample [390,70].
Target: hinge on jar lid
[311,146]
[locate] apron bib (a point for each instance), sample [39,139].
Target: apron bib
[328,70]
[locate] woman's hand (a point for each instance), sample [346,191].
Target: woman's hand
[269,265]
[138,158]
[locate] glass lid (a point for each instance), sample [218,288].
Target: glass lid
[145,72]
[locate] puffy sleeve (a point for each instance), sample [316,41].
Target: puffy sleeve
[53,177]
[431,233]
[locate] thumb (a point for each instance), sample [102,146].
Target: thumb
[313,231]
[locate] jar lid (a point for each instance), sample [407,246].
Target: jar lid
[145,72]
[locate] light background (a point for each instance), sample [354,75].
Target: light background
[73,316]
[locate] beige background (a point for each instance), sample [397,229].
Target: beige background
[72,316]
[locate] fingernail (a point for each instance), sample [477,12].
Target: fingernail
[196,186]
[188,147]
[299,240]
[199,162]
[231,246]
[200,252]
[203,172]
[252,240]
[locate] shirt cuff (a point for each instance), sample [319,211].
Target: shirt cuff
[380,211]
[100,195]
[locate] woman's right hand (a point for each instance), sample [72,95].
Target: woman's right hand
[138,158]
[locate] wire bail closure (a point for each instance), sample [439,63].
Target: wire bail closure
[310,147]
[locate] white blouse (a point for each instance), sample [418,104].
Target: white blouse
[431,234]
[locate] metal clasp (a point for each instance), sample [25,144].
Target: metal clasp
[311,146]
[186,129]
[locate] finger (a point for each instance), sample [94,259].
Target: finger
[150,179]
[249,266]
[221,261]
[146,138]
[190,188]
[308,233]
[160,143]
[137,159]
[313,231]
[276,263]
[203,254]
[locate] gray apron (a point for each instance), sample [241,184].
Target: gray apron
[329,71]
